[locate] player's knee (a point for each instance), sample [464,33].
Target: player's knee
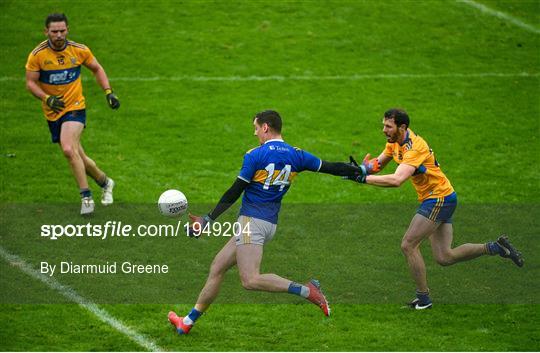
[217,269]
[249,282]
[407,247]
[444,262]
[444,259]
[69,150]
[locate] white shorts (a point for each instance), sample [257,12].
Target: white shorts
[254,231]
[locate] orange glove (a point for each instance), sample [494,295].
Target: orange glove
[372,165]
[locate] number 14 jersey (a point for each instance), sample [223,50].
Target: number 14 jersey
[269,169]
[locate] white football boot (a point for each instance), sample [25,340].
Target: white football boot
[107,196]
[87,205]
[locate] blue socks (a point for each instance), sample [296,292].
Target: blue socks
[85,193]
[193,315]
[298,289]
[423,297]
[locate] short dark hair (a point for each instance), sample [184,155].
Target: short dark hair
[399,115]
[271,118]
[55,17]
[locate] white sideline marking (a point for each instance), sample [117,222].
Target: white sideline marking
[354,77]
[70,294]
[501,15]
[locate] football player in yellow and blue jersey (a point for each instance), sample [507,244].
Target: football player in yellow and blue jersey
[438,200]
[266,174]
[53,75]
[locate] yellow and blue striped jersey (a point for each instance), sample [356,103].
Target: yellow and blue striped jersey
[60,74]
[428,179]
[269,169]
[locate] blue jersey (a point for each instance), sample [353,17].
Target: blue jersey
[269,169]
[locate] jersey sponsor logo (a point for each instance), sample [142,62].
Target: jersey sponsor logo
[60,77]
[278,148]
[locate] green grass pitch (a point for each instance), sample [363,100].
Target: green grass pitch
[190,75]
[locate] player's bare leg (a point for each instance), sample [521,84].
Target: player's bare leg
[90,166]
[224,260]
[441,242]
[441,245]
[70,135]
[249,257]
[107,184]
[419,229]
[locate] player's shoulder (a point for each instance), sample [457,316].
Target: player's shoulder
[283,147]
[253,150]
[300,151]
[393,147]
[415,142]
[40,47]
[77,45]
[273,146]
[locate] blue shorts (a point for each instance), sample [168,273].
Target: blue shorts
[439,209]
[56,126]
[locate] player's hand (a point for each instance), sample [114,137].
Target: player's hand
[360,176]
[55,103]
[197,224]
[112,99]
[372,164]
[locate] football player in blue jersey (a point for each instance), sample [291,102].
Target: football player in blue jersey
[265,177]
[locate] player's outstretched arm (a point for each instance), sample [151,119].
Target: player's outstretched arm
[402,173]
[347,170]
[227,200]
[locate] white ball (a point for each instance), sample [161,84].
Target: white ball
[172,203]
